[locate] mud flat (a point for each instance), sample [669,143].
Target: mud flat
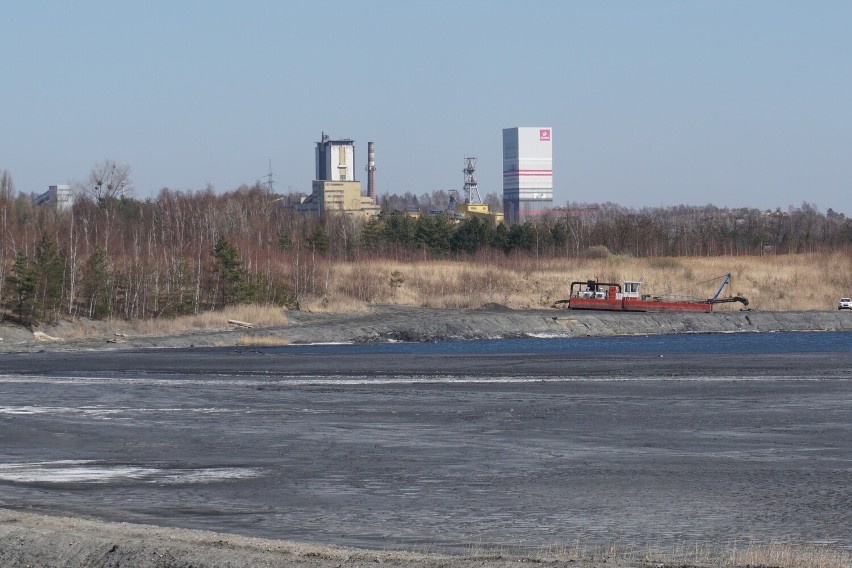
[398,323]
[28,537]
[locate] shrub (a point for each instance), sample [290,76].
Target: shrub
[665,263]
[597,252]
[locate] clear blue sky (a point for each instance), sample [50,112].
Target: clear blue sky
[733,103]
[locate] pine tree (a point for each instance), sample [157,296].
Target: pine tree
[319,239]
[24,283]
[96,284]
[471,235]
[236,287]
[49,271]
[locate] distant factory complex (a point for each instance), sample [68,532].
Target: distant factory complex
[57,197]
[527,180]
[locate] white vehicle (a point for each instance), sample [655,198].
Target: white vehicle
[844,304]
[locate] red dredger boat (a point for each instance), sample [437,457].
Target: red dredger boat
[594,295]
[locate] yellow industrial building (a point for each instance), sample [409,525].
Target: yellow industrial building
[330,197]
[479,210]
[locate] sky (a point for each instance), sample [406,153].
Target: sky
[655,103]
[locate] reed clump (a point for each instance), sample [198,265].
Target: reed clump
[776,554]
[262,341]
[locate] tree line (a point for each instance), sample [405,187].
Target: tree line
[113,256]
[576,229]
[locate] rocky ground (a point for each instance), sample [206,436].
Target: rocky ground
[398,323]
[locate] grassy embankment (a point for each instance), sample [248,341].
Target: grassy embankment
[771,283]
[257,315]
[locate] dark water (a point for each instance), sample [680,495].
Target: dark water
[724,438]
[709,343]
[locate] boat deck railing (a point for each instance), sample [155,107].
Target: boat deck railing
[670,298]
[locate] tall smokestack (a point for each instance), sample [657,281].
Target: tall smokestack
[371,172]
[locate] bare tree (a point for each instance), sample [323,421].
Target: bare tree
[7,186]
[108,179]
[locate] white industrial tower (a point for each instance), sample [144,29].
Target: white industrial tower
[335,159]
[527,172]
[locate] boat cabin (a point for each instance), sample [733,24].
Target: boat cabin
[631,288]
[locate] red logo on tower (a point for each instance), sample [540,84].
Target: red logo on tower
[544,135]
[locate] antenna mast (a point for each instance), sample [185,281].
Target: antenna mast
[269,181]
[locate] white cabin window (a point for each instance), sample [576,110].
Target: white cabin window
[631,289]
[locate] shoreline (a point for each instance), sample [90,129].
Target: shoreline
[387,323]
[39,539]
[56,540]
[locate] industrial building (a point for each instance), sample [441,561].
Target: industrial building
[527,172]
[335,159]
[58,197]
[335,189]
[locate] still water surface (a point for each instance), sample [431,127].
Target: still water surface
[707,343]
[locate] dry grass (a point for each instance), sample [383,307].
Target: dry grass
[256,314]
[262,341]
[771,283]
[334,303]
[776,554]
